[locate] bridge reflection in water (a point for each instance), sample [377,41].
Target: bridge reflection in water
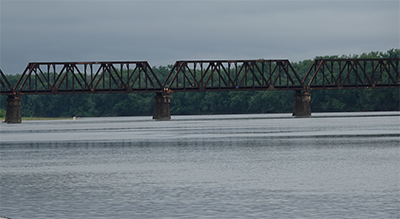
[41,78]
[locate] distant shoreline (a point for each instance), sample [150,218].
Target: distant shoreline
[314,114]
[2,119]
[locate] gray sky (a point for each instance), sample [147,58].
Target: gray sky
[164,31]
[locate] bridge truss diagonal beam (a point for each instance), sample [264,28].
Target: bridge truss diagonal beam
[6,88]
[232,75]
[87,77]
[353,74]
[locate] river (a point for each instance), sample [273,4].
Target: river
[332,165]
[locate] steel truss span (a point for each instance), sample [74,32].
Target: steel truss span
[87,77]
[352,74]
[232,75]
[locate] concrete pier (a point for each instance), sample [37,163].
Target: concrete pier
[161,109]
[302,104]
[13,114]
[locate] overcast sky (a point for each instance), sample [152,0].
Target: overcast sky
[164,31]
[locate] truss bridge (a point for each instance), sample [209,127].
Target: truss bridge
[40,78]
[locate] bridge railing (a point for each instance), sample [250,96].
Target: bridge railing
[87,77]
[353,74]
[231,75]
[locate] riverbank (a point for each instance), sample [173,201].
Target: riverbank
[2,119]
[314,115]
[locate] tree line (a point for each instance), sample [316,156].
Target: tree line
[142,104]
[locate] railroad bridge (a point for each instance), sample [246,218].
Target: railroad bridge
[40,78]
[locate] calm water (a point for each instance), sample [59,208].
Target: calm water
[335,165]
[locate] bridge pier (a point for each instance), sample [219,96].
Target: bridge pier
[13,113]
[302,104]
[161,109]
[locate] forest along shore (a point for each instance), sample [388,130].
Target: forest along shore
[207,103]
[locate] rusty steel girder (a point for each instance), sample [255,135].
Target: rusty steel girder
[353,74]
[232,75]
[6,88]
[87,77]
